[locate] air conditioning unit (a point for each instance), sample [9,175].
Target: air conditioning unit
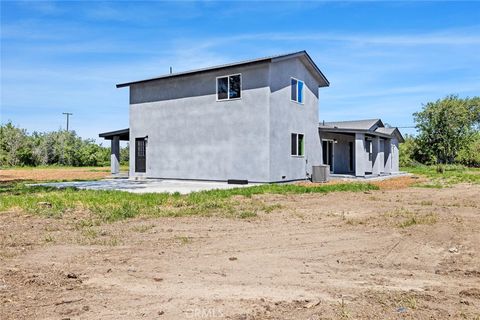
[321,173]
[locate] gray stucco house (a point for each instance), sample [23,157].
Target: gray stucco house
[254,121]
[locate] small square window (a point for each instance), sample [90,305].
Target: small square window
[229,87]
[296,90]
[297,144]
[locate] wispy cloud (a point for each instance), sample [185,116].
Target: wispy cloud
[69,55]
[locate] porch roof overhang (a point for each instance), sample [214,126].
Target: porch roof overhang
[366,132]
[123,134]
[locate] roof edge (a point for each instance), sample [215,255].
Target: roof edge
[234,64]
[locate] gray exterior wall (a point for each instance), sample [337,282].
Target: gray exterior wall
[193,136]
[287,117]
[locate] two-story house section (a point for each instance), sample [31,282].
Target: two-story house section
[254,121]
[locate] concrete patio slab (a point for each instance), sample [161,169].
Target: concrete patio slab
[145,186]
[368,177]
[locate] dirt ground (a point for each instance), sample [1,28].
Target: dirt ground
[44,174]
[333,256]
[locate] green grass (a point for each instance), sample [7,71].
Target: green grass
[445,175]
[109,206]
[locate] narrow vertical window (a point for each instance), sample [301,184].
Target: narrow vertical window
[297,90]
[234,87]
[229,87]
[222,88]
[300,92]
[301,145]
[293,90]
[294,144]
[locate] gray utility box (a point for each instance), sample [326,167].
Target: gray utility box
[321,173]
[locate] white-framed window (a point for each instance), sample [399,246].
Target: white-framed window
[229,87]
[298,145]
[297,90]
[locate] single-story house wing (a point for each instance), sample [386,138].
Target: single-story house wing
[360,147]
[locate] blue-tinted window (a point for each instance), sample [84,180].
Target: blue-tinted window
[300,91]
[296,90]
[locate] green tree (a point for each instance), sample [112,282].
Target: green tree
[408,150]
[469,155]
[18,148]
[445,127]
[15,147]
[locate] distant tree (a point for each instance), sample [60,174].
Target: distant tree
[125,154]
[408,150]
[15,148]
[445,127]
[18,148]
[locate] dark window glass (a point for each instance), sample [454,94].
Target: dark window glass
[325,152]
[293,87]
[222,88]
[301,145]
[294,144]
[235,87]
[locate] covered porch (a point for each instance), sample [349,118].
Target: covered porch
[362,148]
[115,137]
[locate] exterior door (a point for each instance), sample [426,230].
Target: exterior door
[140,155]
[328,153]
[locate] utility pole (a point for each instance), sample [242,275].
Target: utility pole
[68,114]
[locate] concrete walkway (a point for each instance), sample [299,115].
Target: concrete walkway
[145,186]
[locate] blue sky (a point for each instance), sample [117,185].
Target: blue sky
[383,59]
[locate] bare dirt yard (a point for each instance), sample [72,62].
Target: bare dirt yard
[404,253]
[45,174]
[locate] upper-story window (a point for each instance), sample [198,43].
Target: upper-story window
[229,87]
[296,90]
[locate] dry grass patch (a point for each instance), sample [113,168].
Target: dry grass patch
[404,218]
[54,173]
[401,218]
[398,183]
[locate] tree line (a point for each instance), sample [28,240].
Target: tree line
[19,148]
[448,132]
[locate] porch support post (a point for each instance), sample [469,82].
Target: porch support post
[115,155]
[395,156]
[359,154]
[388,156]
[377,157]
